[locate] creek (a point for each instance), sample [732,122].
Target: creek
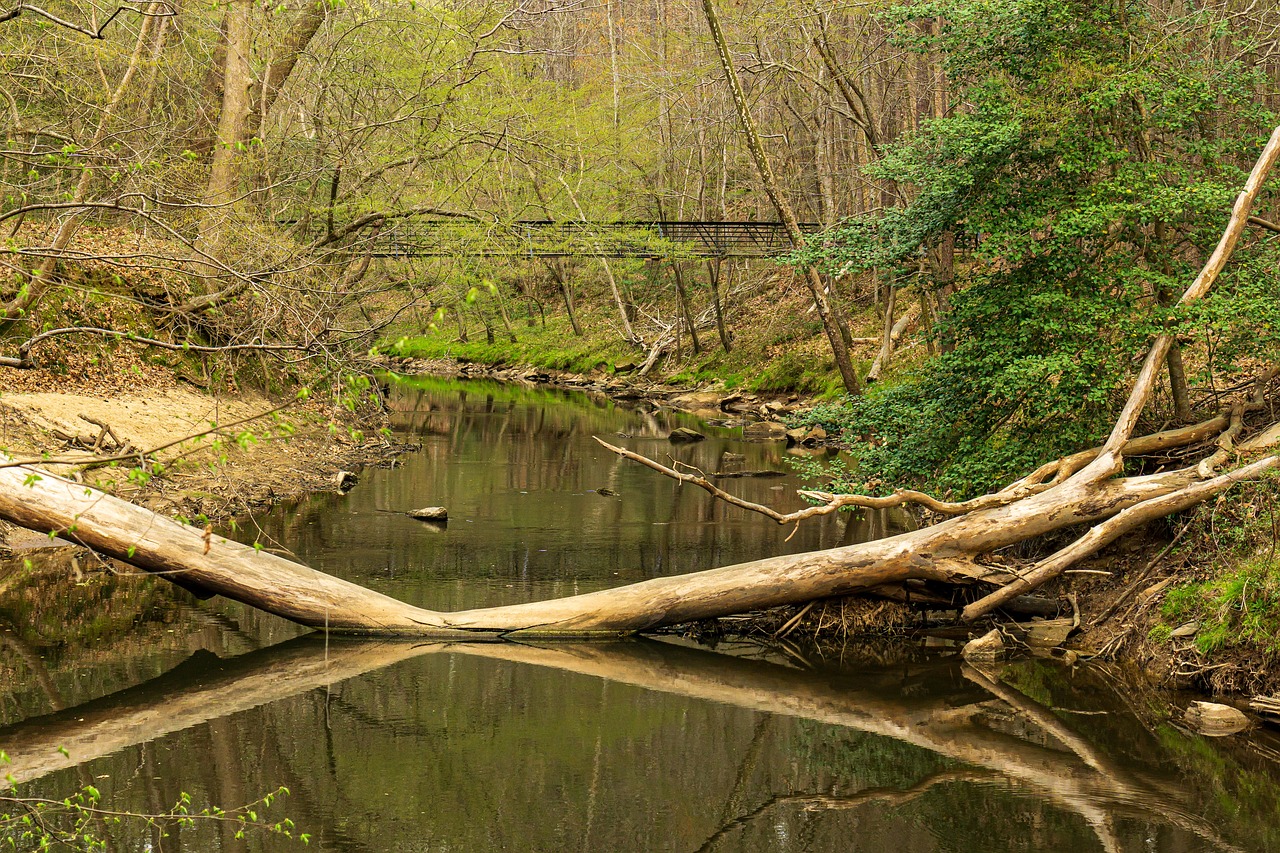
[656,744]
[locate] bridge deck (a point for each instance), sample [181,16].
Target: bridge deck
[545,238]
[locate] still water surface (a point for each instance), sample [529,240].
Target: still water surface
[628,746]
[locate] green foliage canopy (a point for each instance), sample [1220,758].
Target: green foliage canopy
[1090,160]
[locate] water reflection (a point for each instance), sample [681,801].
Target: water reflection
[645,746]
[538,509]
[632,746]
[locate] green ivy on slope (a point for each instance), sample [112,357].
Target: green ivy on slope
[1092,160]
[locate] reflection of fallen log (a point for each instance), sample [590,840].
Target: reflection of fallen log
[204,688]
[1073,775]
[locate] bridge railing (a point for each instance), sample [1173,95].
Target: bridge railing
[544,238]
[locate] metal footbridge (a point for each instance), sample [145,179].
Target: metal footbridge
[546,238]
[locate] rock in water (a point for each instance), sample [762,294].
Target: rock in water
[765,431]
[807,436]
[344,480]
[989,647]
[682,435]
[1214,720]
[429,513]
[731,463]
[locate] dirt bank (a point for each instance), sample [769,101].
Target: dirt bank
[219,455]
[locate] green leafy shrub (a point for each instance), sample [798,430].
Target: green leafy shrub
[1092,170]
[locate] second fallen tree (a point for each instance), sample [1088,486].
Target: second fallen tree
[1087,488]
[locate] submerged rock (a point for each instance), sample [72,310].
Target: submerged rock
[1214,720]
[765,431]
[429,513]
[732,461]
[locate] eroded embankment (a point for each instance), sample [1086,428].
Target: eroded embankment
[182,452]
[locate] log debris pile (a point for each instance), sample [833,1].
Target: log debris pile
[1087,489]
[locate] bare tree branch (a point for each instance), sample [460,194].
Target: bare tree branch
[168,12]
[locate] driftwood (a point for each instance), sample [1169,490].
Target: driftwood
[1084,489]
[1266,706]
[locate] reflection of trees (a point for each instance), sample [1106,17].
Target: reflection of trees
[987,731]
[84,636]
[1065,771]
[829,802]
[519,472]
[202,689]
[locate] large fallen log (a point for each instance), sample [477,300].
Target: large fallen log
[1073,491]
[195,559]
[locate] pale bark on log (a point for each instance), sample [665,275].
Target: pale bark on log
[44,502]
[1109,461]
[945,552]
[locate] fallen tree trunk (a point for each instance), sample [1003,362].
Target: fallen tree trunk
[195,559]
[1078,490]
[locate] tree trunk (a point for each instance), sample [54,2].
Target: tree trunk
[683,295]
[39,280]
[228,147]
[830,320]
[1178,387]
[567,292]
[623,306]
[886,340]
[263,95]
[713,277]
